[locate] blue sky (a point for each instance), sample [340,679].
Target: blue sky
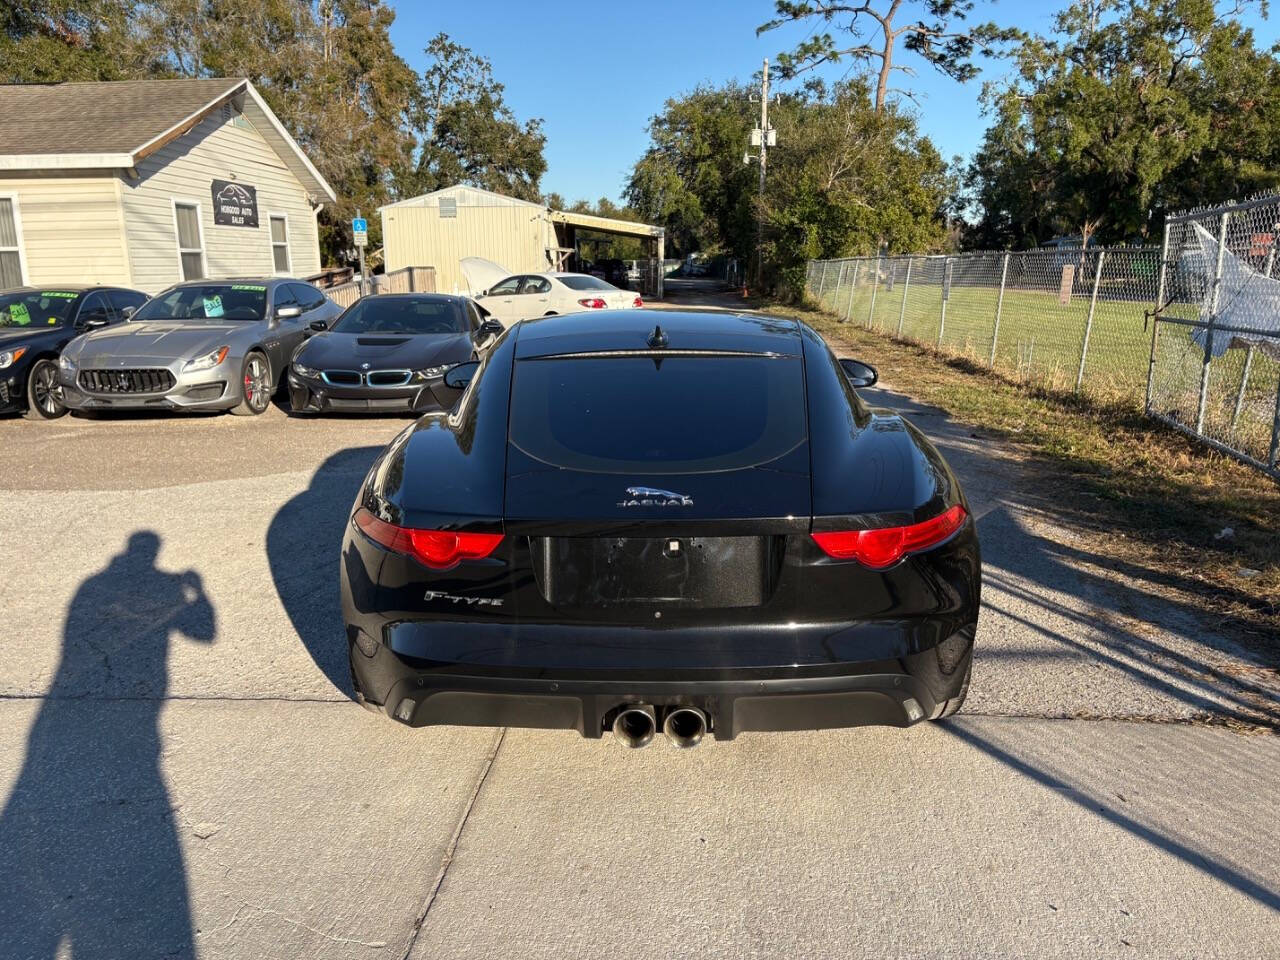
[596,72]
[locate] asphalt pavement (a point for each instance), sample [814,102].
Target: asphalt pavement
[183,771]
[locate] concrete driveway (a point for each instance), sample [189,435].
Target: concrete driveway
[183,772]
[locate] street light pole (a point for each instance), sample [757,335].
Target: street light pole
[764,162]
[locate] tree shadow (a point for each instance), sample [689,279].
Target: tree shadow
[89,851]
[1064,597]
[303,545]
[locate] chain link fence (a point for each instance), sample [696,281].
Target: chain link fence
[1063,318]
[1215,353]
[1075,319]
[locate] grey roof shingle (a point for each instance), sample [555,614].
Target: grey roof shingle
[107,117]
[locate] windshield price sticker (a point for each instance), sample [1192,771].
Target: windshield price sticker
[61,294]
[213,306]
[257,287]
[19,316]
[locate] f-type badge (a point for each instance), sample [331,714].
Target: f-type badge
[653,497]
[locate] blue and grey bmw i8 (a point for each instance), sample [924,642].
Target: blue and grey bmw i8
[644,521]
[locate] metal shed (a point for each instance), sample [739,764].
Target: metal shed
[439,229]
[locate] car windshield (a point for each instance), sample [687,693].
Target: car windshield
[37,308]
[208,301]
[682,415]
[583,282]
[411,315]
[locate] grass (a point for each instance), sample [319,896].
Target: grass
[1040,340]
[1153,501]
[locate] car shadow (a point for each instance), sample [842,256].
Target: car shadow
[89,850]
[304,540]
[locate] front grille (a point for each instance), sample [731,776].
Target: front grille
[387,378]
[127,380]
[342,378]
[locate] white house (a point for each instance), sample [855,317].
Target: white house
[144,183]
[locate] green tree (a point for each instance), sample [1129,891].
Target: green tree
[1133,107]
[50,41]
[466,132]
[872,31]
[844,179]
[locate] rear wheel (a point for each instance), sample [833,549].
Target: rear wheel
[44,392]
[952,706]
[256,380]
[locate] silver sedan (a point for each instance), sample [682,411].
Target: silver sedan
[202,345]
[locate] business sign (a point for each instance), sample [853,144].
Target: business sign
[234,204]
[360,231]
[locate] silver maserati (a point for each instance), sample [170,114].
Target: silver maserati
[201,345]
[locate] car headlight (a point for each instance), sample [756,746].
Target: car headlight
[9,357]
[432,373]
[207,362]
[304,371]
[66,363]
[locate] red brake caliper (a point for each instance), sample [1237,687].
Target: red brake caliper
[248,383]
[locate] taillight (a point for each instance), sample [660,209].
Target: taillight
[882,547]
[593,303]
[637,302]
[438,549]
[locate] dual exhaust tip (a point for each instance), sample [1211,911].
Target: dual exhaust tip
[637,724]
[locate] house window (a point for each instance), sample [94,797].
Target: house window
[10,248]
[190,240]
[280,243]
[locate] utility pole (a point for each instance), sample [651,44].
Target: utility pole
[764,137]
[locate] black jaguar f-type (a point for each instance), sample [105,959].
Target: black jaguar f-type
[388,351]
[640,521]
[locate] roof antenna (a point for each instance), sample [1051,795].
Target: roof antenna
[657,339]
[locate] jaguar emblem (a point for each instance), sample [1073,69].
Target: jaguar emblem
[654,497]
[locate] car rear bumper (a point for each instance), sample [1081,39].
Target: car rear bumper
[895,692]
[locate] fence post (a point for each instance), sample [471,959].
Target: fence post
[995,330]
[902,314]
[1208,331]
[946,290]
[1088,323]
[853,288]
[1273,454]
[823,282]
[1155,316]
[1244,385]
[875,285]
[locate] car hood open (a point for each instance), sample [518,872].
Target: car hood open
[481,274]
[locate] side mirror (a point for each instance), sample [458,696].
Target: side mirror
[491,328]
[457,377]
[319,326]
[128,312]
[289,311]
[860,374]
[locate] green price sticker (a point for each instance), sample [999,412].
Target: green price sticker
[258,288]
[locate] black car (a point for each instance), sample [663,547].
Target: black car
[35,324]
[389,351]
[636,520]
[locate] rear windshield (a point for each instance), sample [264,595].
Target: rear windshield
[208,301]
[43,308]
[676,415]
[403,315]
[583,282]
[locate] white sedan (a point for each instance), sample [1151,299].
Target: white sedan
[527,295]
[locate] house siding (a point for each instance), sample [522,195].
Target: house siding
[512,234]
[185,170]
[72,230]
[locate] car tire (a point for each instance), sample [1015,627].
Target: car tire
[44,393]
[952,706]
[255,378]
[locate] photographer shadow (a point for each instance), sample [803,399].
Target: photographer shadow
[89,850]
